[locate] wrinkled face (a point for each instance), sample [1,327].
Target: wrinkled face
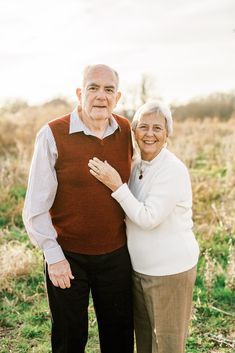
[151,134]
[99,94]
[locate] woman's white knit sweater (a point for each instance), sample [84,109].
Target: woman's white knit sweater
[159,216]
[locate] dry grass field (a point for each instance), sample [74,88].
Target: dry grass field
[207,146]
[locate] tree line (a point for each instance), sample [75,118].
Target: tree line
[220,105]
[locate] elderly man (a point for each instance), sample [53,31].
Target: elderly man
[79,227]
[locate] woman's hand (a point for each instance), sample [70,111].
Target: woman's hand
[105,173]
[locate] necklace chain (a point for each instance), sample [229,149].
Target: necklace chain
[141,171]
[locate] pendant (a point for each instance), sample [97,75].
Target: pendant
[141,174]
[141,171]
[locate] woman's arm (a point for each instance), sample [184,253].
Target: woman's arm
[172,186]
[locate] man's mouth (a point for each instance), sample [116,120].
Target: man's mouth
[99,106]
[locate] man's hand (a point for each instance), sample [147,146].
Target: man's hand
[60,274]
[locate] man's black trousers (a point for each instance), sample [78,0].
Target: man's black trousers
[108,277]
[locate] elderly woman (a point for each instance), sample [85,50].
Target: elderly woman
[164,253]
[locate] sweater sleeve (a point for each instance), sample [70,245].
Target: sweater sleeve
[165,192]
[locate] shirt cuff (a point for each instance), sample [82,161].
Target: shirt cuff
[54,255]
[121,193]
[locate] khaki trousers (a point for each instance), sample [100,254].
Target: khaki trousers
[162,311]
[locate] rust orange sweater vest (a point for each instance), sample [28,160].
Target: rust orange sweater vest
[87,219]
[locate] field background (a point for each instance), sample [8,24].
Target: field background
[204,138]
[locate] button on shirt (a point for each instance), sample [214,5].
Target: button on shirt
[42,186]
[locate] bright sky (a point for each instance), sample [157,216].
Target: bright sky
[187,46]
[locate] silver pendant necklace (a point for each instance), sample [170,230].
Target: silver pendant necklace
[141,171]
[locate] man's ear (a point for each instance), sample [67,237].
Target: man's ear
[78,93]
[118,96]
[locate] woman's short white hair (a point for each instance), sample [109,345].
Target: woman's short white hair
[154,107]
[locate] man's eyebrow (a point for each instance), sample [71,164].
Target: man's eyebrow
[93,84]
[96,85]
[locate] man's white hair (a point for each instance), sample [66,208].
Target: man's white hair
[98,66]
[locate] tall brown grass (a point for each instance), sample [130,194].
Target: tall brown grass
[206,146]
[15,261]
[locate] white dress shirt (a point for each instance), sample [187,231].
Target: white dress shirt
[42,186]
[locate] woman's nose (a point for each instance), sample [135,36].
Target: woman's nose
[150,132]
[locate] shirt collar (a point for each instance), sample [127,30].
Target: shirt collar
[77,125]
